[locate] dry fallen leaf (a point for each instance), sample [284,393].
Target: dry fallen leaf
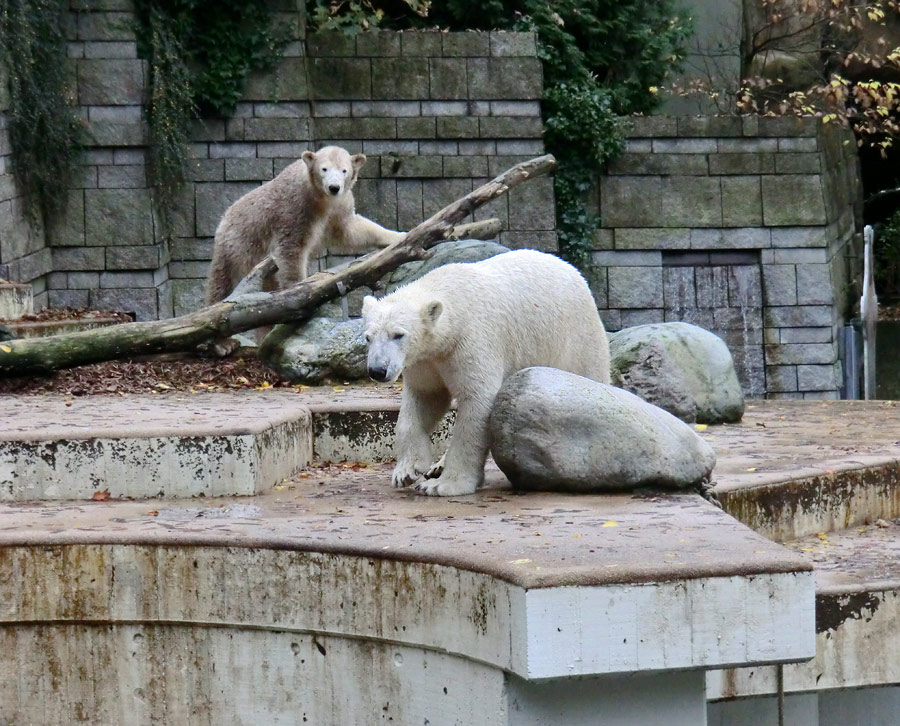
[610,523]
[101,496]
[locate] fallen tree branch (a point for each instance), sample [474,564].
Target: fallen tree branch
[253,310]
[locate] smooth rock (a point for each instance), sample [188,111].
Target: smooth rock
[464,250]
[680,367]
[555,431]
[316,349]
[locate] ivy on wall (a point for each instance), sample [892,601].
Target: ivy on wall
[200,54]
[600,60]
[44,130]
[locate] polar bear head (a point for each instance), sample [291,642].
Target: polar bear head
[398,334]
[332,170]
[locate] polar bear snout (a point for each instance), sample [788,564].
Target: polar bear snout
[334,189]
[378,373]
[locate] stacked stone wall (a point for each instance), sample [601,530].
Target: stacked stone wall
[739,225]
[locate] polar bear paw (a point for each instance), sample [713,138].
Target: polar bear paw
[406,473]
[446,487]
[436,469]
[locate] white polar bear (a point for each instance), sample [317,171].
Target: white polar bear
[457,333]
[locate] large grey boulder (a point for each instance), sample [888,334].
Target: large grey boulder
[556,431]
[680,367]
[464,250]
[317,349]
[327,346]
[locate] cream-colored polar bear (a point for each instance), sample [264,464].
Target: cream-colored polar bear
[290,217]
[457,333]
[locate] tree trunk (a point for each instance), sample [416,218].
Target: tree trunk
[253,310]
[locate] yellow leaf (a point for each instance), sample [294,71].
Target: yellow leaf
[339,389]
[700,427]
[519,562]
[752,468]
[5,348]
[610,523]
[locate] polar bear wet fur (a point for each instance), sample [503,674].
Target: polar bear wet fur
[457,333]
[290,217]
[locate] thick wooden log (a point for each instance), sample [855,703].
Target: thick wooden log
[255,309]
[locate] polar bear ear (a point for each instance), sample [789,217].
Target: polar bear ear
[368,302]
[309,158]
[432,311]
[358,160]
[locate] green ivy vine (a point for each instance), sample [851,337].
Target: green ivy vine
[200,53]
[44,130]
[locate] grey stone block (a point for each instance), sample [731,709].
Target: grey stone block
[126,279]
[531,206]
[411,167]
[378,43]
[57,281]
[209,129]
[747,146]
[234,129]
[679,289]
[205,170]
[444,108]
[377,200]
[466,44]
[390,147]
[515,108]
[510,127]
[656,164]
[520,147]
[798,144]
[635,287]
[409,204]
[742,163]
[333,109]
[687,201]
[465,166]
[712,287]
[460,127]
[684,146]
[133,258]
[294,110]
[788,126]
[653,127]
[287,149]
[709,126]
[107,133]
[79,258]
[652,238]
[68,229]
[799,237]
[188,269]
[482,147]
[68,298]
[421,43]
[105,26]
[780,284]
[275,129]
[122,177]
[781,378]
[142,302]
[248,169]
[337,79]
[505,78]
[618,258]
[504,43]
[630,201]
[799,316]
[814,286]
[192,249]
[438,193]
[31,266]
[741,201]
[356,128]
[603,240]
[330,43]
[385,109]
[821,396]
[806,335]
[287,82]
[213,199]
[116,114]
[233,150]
[399,78]
[423,127]
[800,353]
[798,163]
[793,199]
[109,50]
[118,217]
[448,79]
[110,82]
[633,318]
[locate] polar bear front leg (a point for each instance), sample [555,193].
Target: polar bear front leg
[463,464]
[420,412]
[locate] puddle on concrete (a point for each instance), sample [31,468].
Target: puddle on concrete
[231,511]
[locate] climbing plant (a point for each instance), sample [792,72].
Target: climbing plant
[200,53]
[44,131]
[601,58]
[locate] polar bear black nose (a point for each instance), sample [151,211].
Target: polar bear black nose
[334,188]
[378,374]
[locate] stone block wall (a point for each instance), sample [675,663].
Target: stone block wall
[436,113]
[24,255]
[741,226]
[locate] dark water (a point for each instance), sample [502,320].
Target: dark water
[887,360]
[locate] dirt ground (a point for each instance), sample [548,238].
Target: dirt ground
[158,376]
